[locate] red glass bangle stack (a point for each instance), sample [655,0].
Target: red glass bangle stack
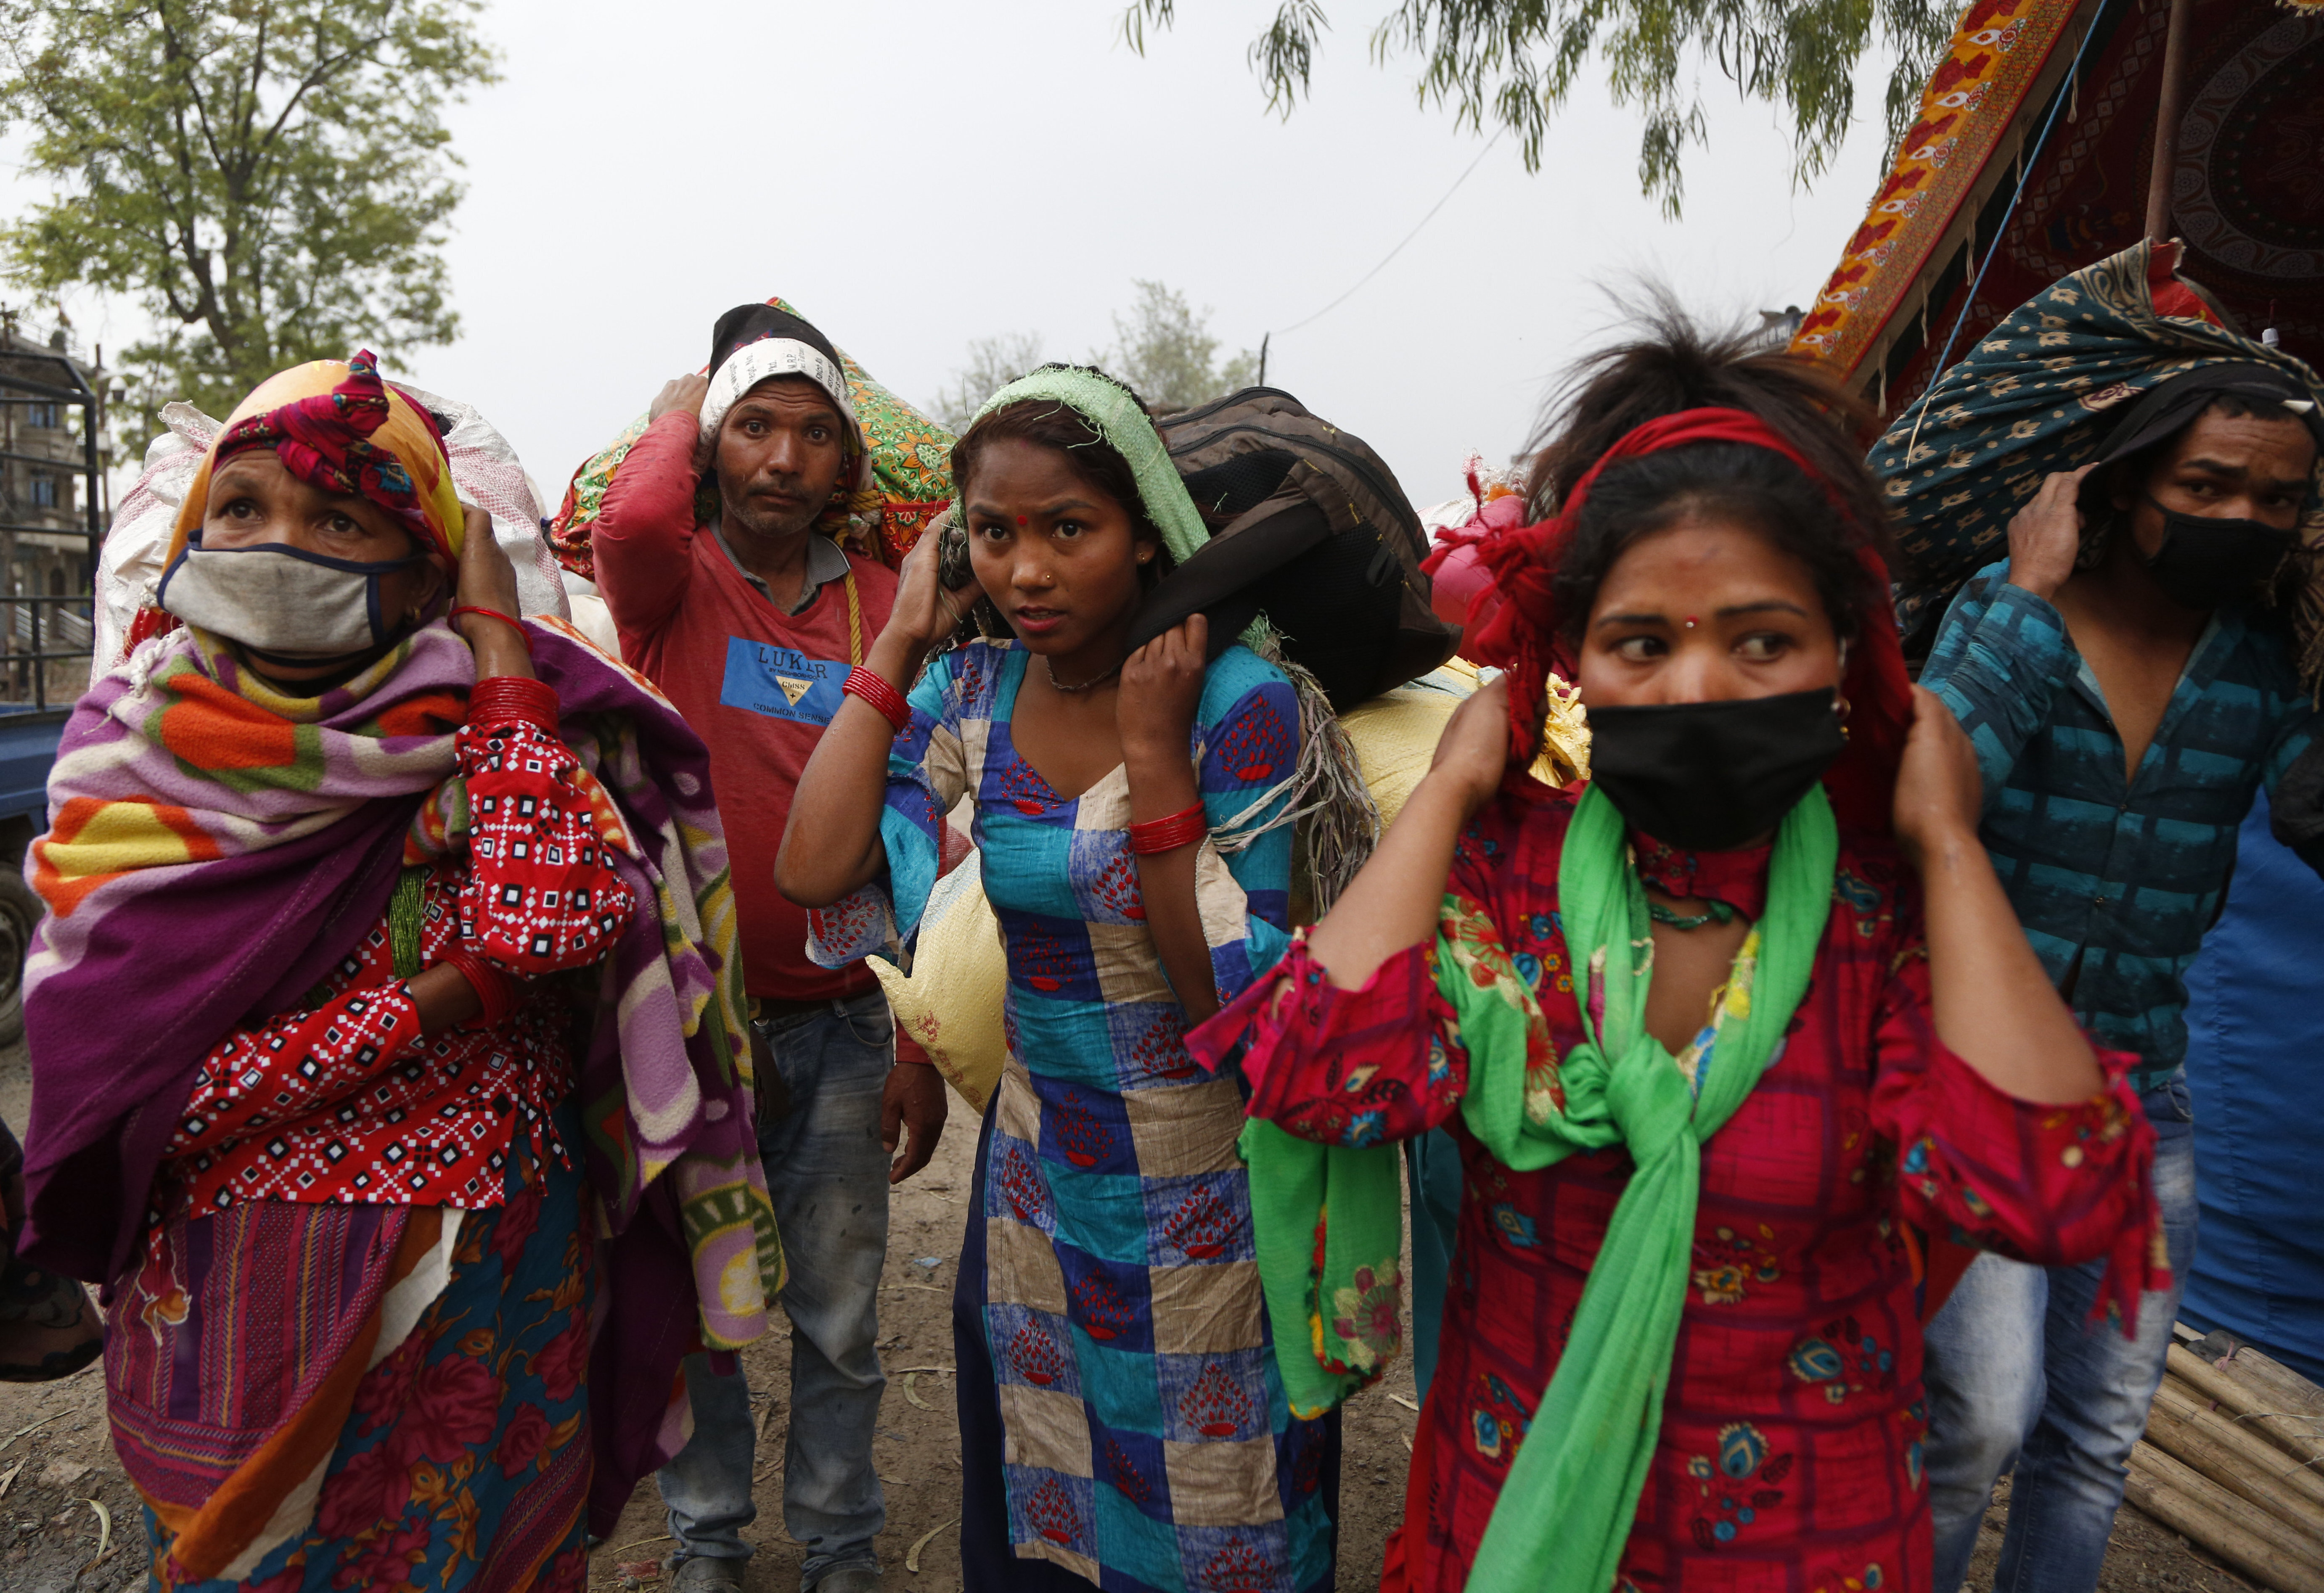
[499,991]
[501,699]
[1168,835]
[864,684]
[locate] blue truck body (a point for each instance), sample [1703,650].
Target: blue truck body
[28,748]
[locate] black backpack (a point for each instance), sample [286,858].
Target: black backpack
[1309,526]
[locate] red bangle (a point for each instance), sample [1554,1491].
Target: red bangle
[496,989]
[1180,829]
[864,684]
[522,635]
[504,699]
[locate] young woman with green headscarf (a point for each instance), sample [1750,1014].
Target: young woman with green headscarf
[1123,1419]
[1711,1032]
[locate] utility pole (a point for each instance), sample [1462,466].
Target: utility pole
[2168,110]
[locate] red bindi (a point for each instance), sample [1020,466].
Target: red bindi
[1020,519]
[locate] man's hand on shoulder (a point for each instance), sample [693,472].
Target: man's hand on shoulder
[680,392]
[2046,536]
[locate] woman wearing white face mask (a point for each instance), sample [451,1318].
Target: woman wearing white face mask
[348,907]
[312,584]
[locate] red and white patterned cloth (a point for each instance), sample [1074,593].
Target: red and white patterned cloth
[346,1101]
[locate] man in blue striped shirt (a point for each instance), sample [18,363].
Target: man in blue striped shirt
[2126,686]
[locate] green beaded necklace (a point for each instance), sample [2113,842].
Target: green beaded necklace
[1720,913]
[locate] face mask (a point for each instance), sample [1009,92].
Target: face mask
[2204,563]
[1705,777]
[281,603]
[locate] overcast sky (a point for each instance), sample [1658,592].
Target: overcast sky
[913,173]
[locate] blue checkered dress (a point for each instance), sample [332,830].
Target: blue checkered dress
[2120,876]
[1149,1444]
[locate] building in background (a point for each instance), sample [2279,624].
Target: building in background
[51,513]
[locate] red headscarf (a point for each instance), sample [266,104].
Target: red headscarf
[1513,624]
[341,428]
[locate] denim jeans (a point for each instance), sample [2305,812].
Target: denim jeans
[828,1176]
[2018,1374]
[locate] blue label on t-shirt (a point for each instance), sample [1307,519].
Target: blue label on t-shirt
[782,682]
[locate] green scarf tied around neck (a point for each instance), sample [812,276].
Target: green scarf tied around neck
[1325,1215]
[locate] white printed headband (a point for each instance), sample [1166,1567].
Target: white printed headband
[754,363]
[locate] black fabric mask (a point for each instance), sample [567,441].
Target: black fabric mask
[1705,777]
[2205,562]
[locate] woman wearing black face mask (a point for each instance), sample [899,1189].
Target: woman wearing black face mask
[2131,676]
[1710,1033]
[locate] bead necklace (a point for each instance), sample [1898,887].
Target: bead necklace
[1090,685]
[1719,913]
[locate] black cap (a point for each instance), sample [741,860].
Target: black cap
[746,324]
[2170,409]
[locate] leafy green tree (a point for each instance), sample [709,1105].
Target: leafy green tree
[993,362]
[1166,351]
[1161,348]
[1513,62]
[268,180]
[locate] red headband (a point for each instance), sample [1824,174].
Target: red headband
[326,440]
[1513,624]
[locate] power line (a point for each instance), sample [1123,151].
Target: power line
[1415,232]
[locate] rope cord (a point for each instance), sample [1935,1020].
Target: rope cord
[854,622]
[2024,169]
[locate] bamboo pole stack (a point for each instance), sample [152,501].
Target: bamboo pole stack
[2234,1460]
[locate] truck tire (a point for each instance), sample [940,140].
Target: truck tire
[20,910]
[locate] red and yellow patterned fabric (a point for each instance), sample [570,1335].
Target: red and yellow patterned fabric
[337,427]
[1971,100]
[1790,1453]
[2246,196]
[346,1101]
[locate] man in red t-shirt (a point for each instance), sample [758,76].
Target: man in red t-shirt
[748,621]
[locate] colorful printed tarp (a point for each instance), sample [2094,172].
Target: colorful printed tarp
[1972,100]
[2248,192]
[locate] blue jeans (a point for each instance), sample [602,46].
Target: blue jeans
[828,1176]
[2018,1374]
[1432,1172]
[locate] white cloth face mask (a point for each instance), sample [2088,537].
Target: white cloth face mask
[278,600]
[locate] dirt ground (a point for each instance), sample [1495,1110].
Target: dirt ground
[70,1524]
